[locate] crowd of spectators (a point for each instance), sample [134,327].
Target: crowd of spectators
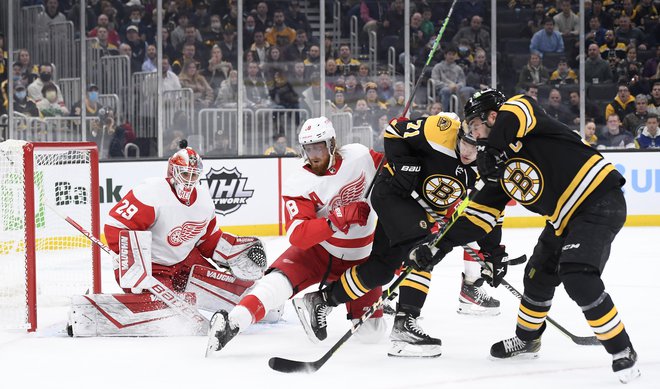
[282,58]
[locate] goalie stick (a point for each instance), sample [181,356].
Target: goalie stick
[160,291]
[581,340]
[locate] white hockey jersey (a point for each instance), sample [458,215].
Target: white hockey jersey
[308,199]
[176,228]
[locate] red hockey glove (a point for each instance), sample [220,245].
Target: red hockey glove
[353,213]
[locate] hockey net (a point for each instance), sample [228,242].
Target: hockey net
[43,260]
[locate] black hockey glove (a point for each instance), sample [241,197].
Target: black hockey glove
[405,175]
[423,257]
[490,162]
[497,263]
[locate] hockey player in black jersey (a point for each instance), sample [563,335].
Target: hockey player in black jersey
[431,156]
[528,156]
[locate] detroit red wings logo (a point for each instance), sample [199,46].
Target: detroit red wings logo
[349,193]
[185,232]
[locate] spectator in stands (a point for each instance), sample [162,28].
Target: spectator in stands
[596,69]
[26,65]
[48,105]
[260,47]
[312,62]
[190,38]
[432,109]
[393,21]
[478,76]
[51,14]
[353,90]
[567,22]
[282,93]
[92,105]
[297,51]
[22,104]
[649,137]
[296,19]
[331,74]
[536,22]
[112,35]
[188,54]
[534,73]
[36,87]
[280,34]
[280,147]
[230,19]
[213,34]
[229,46]
[613,136]
[598,11]
[633,120]
[364,74]
[191,78]
[170,79]
[384,82]
[646,15]
[418,39]
[135,19]
[362,115]
[556,109]
[474,33]
[547,40]
[591,110]
[590,133]
[596,33]
[104,45]
[249,27]
[397,102]
[651,65]
[465,57]
[629,69]
[612,45]
[622,104]
[168,48]
[262,18]
[217,69]
[298,79]
[228,93]
[201,18]
[654,100]
[338,104]
[449,80]
[256,88]
[178,35]
[274,62]
[563,75]
[373,103]
[532,91]
[627,33]
[150,62]
[138,48]
[345,62]
[330,51]
[311,97]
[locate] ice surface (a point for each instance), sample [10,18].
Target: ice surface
[50,359]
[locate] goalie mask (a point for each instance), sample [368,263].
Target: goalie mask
[183,171]
[314,134]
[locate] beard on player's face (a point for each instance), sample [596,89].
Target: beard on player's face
[319,164]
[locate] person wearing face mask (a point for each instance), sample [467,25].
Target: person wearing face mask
[22,104]
[49,106]
[280,147]
[91,102]
[45,76]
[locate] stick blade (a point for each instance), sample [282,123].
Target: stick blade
[284,365]
[586,340]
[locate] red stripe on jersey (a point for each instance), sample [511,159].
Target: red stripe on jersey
[351,243]
[376,156]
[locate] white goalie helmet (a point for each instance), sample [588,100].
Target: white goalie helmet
[183,171]
[317,130]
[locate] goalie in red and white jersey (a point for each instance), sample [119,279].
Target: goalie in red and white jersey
[330,227]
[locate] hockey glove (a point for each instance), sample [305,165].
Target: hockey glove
[405,175]
[490,162]
[354,213]
[496,265]
[424,256]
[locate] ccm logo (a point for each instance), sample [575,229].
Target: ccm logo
[413,169]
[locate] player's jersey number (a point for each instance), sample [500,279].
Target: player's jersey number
[292,208]
[126,210]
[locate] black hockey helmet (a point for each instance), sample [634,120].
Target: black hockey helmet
[483,102]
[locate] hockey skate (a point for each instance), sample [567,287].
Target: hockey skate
[312,310]
[516,347]
[624,365]
[473,299]
[410,340]
[220,332]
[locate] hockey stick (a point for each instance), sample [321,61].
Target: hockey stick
[581,340]
[436,43]
[162,292]
[291,366]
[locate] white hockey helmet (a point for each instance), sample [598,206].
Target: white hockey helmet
[183,171]
[318,130]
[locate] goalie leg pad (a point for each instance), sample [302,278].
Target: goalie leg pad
[127,315]
[134,259]
[216,289]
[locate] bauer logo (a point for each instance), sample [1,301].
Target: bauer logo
[228,189]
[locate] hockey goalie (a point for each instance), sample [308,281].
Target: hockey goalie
[169,249]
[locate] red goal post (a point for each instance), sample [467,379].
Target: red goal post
[41,257]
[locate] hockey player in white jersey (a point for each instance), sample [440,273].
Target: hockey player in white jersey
[330,227]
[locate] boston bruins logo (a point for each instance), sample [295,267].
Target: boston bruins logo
[523,181]
[442,191]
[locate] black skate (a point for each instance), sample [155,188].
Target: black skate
[515,346]
[220,332]
[624,365]
[410,340]
[474,300]
[312,310]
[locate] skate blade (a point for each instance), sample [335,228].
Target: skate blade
[407,350]
[517,357]
[629,374]
[476,310]
[302,313]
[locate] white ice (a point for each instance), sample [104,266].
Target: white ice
[49,359]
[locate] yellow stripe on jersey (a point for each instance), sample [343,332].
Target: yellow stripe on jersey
[533,313]
[479,223]
[571,187]
[392,133]
[523,111]
[612,333]
[415,285]
[357,281]
[604,319]
[495,213]
[528,325]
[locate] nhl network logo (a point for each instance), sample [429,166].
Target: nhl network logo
[227,188]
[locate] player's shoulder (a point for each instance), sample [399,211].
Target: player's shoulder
[299,180]
[353,150]
[151,190]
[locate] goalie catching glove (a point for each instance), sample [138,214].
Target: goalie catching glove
[243,255]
